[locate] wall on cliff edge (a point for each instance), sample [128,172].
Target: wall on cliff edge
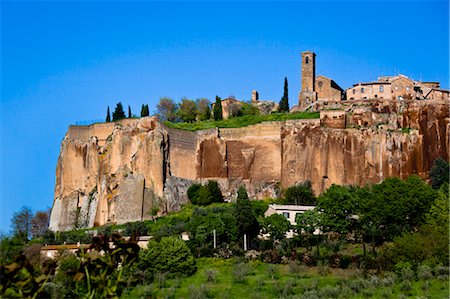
[116,172]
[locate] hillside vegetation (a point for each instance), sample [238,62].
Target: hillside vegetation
[388,240]
[241,121]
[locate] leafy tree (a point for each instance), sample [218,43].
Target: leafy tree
[169,255]
[429,244]
[284,102]
[215,191]
[394,206]
[245,217]
[118,112]
[217,111]
[205,195]
[306,224]
[202,224]
[39,223]
[144,110]
[167,109]
[193,191]
[187,111]
[108,116]
[203,109]
[21,223]
[276,226]
[337,206]
[301,194]
[439,173]
[10,247]
[249,109]
[129,112]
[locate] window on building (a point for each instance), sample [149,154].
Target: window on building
[354,91]
[407,88]
[362,89]
[306,60]
[381,88]
[320,84]
[286,214]
[296,215]
[396,87]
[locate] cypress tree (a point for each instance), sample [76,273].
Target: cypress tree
[108,116]
[144,110]
[218,109]
[129,111]
[118,112]
[284,102]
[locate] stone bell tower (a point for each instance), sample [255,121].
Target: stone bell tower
[308,95]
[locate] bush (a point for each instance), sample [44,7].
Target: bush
[300,195]
[170,255]
[136,228]
[424,272]
[205,195]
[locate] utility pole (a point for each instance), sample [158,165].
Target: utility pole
[245,242]
[215,243]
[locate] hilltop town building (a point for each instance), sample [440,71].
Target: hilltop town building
[315,88]
[396,88]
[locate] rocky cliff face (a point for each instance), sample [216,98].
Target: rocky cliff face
[116,172]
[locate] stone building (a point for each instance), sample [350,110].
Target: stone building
[396,88]
[230,107]
[315,88]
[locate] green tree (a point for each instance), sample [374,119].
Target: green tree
[144,110]
[394,206]
[306,224]
[245,217]
[129,112]
[10,247]
[215,192]
[439,173]
[300,194]
[187,111]
[276,226]
[21,223]
[167,109]
[429,243]
[337,206]
[205,195]
[169,255]
[118,112]
[108,116]
[203,109]
[284,102]
[217,111]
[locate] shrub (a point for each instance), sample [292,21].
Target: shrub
[240,271]
[345,261]
[135,228]
[300,194]
[211,275]
[272,271]
[170,255]
[205,195]
[424,272]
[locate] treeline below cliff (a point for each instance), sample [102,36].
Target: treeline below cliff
[391,236]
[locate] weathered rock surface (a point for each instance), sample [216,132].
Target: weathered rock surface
[117,172]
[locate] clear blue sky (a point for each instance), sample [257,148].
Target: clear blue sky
[65,62]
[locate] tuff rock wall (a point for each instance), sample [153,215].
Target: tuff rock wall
[117,172]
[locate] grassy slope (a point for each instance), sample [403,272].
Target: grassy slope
[243,121]
[259,282]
